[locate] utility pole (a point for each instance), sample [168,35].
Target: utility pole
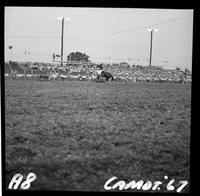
[63,20]
[26,54]
[10,61]
[10,48]
[151,48]
[62,35]
[151,43]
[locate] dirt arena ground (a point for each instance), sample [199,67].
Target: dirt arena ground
[76,135]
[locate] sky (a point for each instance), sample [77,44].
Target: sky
[109,35]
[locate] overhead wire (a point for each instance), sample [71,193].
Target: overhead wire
[113,33]
[143,27]
[97,43]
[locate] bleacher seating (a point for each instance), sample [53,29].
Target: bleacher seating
[121,72]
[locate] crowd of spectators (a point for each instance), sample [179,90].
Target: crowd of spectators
[120,72]
[148,73]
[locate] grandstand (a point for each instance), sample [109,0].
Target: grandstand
[7,68]
[15,67]
[121,72]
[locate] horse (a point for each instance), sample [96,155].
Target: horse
[43,77]
[107,75]
[104,74]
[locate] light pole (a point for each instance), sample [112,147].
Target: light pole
[10,62]
[151,30]
[62,34]
[10,48]
[27,53]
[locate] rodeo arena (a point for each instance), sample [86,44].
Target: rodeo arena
[83,118]
[88,71]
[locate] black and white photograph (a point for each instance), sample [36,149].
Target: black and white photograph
[97,99]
